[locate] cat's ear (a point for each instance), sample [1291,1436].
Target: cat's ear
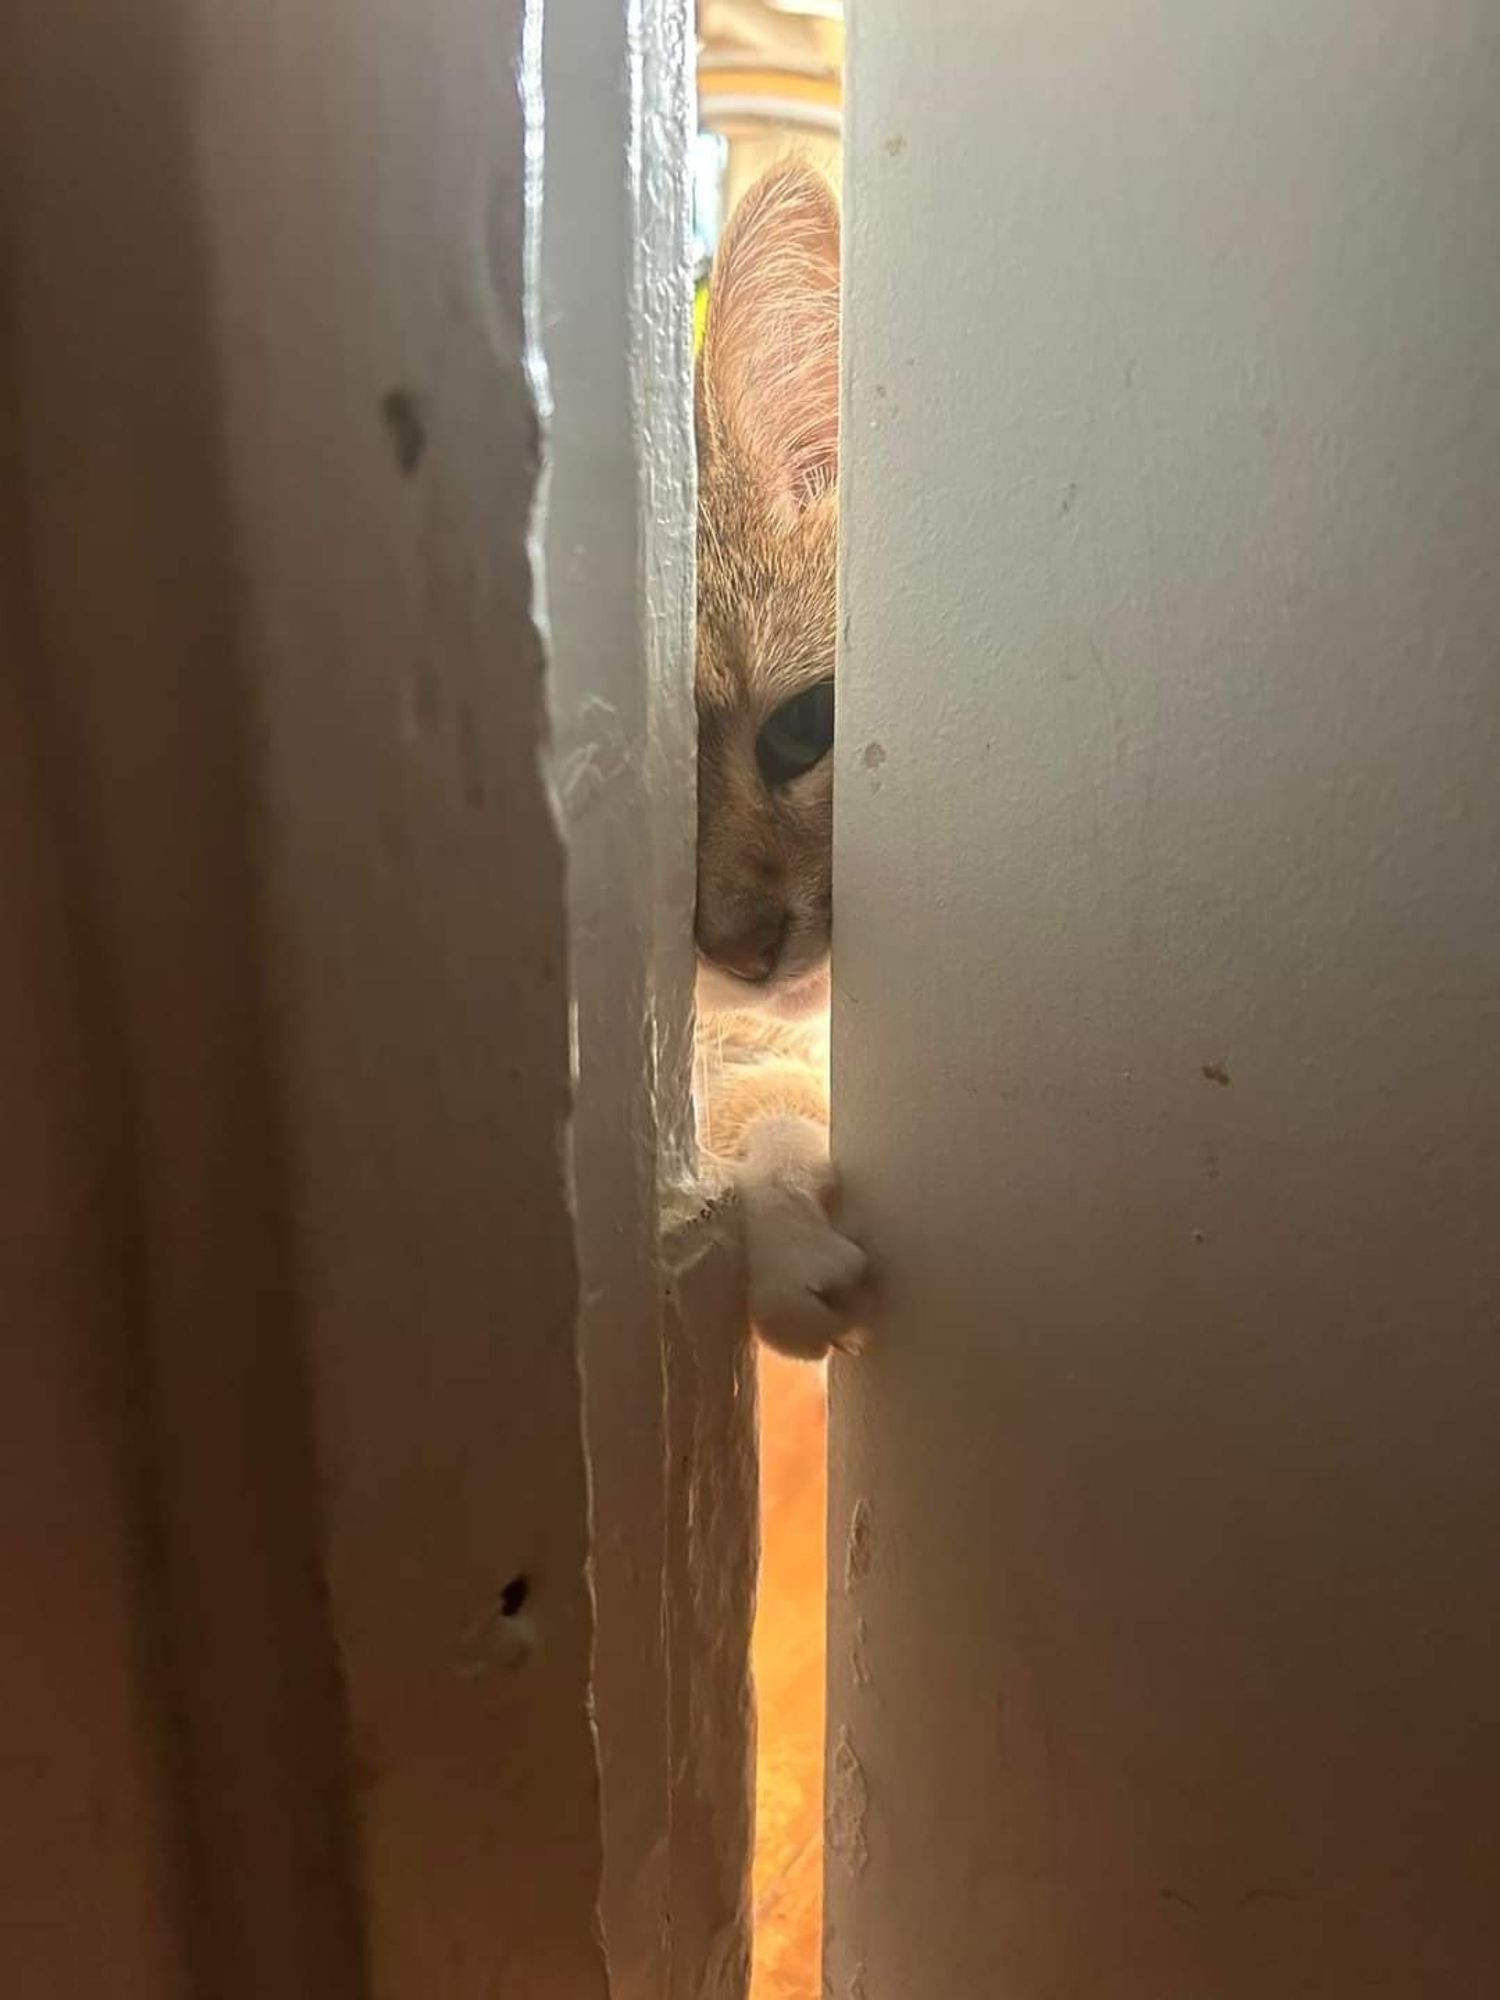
[768,384]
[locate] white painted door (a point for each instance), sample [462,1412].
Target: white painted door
[1166,1621]
[333,1665]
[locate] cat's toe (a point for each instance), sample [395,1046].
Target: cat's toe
[797,1323]
[805,1284]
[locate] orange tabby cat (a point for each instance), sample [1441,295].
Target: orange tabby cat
[767,564]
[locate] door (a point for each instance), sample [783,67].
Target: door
[1166,1614]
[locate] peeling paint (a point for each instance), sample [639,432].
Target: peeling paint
[610,332]
[848,1805]
[859,1662]
[857,1548]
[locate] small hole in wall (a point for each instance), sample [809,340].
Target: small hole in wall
[406,428]
[513,1597]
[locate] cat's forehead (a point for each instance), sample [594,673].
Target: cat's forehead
[766,615]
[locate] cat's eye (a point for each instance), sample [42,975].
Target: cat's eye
[798,736]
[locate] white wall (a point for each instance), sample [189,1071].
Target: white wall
[287,1284]
[599,691]
[668,1405]
[1167,1610]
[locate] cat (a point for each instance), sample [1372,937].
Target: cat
[767,429]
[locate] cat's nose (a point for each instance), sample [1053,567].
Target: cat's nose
[750,951]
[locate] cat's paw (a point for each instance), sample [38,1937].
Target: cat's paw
[806,1279]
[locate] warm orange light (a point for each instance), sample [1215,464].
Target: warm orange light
[790,1654]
